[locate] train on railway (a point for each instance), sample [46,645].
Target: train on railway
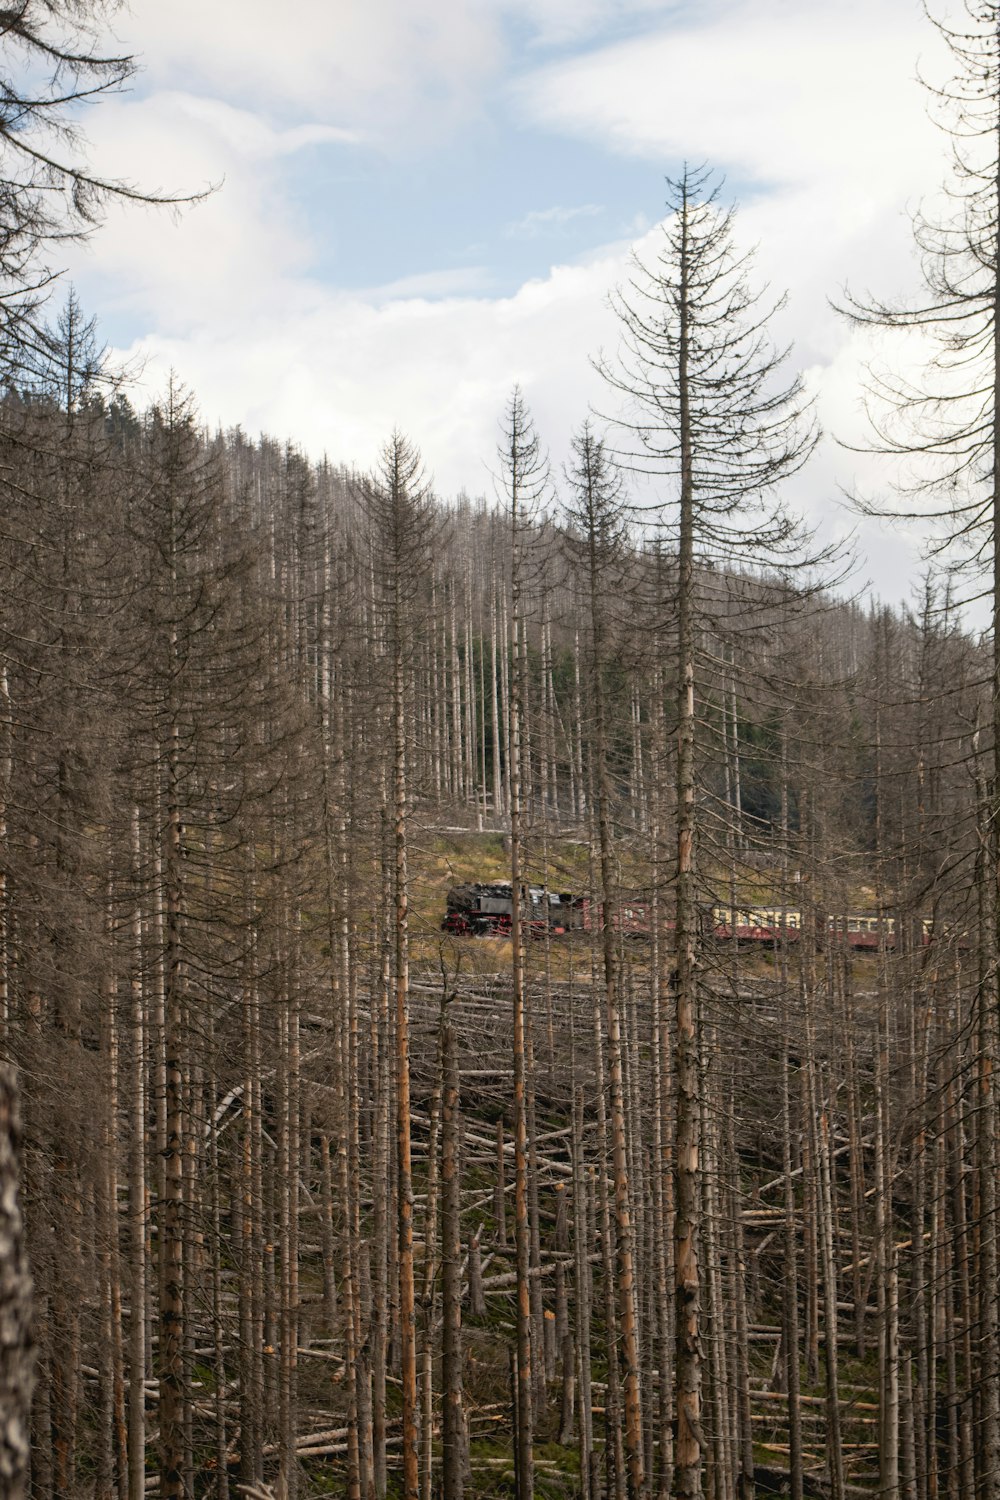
[485,909]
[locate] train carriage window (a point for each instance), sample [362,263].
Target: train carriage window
[853,924]
[791,919]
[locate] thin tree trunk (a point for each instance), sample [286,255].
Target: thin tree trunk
[171,1236]
[16,1343]
[137,1198]
[453,1424]
[689,1442]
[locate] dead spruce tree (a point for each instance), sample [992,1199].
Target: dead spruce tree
[598,541]
[398,505]
[523,480]
[704,407]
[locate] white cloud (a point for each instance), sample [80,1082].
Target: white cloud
[336,372]
[252,134]
[465,281]
[773,90]
[399,70]
[223,257]
[559,23]
[544,220]
[377,63]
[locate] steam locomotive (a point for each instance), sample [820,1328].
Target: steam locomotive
[485,909]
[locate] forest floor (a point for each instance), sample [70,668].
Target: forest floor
[564,1004]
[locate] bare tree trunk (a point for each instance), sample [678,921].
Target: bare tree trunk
[582,1300]
[251,1235]
[614,1452]
[453,1434]
[593,507]
[380,1046]
[171,1235]
[790,1282]
[746,1487]
[428,1290]
[718,1405]
[407,1310]
[835,1452]
[663,1179]
[113,1460]
[518,458]
[887,1272]
[16,1342]
[477,1297]
[495,700]
[500,1191]
[137,1199]
[687,1276]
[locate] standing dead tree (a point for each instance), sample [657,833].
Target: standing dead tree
[524,478]
[398,504]
[704,405]
[597,515]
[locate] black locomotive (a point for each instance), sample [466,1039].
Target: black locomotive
[485,909]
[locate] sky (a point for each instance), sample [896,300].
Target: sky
[418,203]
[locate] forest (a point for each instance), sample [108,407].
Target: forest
[307,1188]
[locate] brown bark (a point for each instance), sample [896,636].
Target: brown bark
[16,1341]
[688,1446]
[453,1424]
[171,1228]
[516,456]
